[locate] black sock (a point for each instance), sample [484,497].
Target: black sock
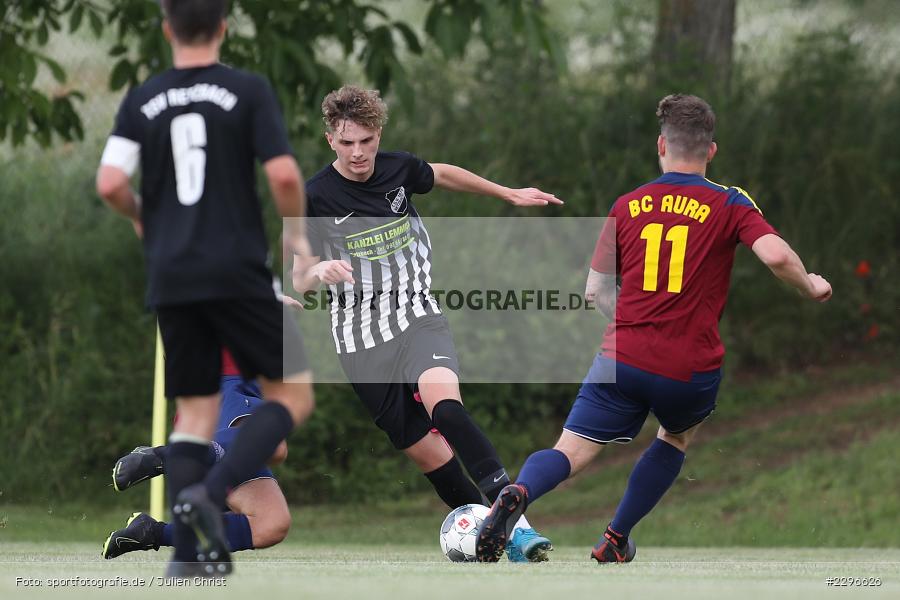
[256,440]
[452,485]
[187,463]
[473,448]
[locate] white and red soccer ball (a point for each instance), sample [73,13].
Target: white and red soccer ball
[459,532]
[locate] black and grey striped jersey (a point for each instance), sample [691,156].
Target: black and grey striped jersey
[374,226]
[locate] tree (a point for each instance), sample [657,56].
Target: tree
[24,110]
[282,39]
[694,41]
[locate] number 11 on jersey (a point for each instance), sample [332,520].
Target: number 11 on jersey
[652,232]
[188,133]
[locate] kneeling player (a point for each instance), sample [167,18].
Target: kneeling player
[259,515]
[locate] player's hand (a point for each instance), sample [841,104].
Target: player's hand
[820,289]
[530,197]
[333,271]
[290,301]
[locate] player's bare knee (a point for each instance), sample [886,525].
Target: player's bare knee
[301,409]
[678,440]
[579,451]
[295,396]
[271,528]
[280,454]
[430,453]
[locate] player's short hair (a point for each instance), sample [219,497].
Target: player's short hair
[351,103]
[194,21]
[688,124]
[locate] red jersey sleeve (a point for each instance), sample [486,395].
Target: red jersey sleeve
[604,259]
[750,225]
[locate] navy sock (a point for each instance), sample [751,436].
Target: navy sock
[452,485]
[254,443]
[650,479]
[543,471]
[165,534]
[237,530]
[473,447]
[187,463]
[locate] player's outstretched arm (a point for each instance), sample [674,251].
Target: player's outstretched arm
[457,179]
[776,254]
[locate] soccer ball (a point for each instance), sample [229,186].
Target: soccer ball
[459,532]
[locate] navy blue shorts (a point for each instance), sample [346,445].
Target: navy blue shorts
[615,412]
[240,397]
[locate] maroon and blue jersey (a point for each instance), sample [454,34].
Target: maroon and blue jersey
[673,242]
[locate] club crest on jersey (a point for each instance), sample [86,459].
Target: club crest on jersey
[397,199]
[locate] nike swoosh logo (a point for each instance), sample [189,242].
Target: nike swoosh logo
[436,357]
[499,477]
[339,221]
[119,541]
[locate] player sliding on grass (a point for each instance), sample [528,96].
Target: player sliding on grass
[197,131]
[674,241]
[259,515]
[392,340]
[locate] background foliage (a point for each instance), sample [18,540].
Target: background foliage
[811,135]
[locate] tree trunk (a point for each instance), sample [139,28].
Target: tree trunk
[695,40]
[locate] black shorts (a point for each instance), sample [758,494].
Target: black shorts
[258,332]
[386,377]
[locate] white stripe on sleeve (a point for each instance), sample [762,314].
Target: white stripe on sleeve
[122,153]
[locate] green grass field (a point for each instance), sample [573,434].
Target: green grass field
[786,487]
[398,572]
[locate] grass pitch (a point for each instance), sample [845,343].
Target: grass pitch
[397,572]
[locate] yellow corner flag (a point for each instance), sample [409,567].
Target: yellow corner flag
[157,484]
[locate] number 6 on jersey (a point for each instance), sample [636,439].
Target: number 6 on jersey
[188,133]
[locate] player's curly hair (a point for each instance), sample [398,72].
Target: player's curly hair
[688,124]
[352,103]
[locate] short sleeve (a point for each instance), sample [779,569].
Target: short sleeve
[123,147]
[604,259]
[750,225]
[420,177]
[313,227]
[270,137]
[127,125]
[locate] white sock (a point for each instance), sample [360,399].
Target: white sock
[523,523]
[187,437]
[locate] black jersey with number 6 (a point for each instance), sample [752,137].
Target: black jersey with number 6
[196,134]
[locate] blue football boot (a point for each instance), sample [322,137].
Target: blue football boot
[527,545]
